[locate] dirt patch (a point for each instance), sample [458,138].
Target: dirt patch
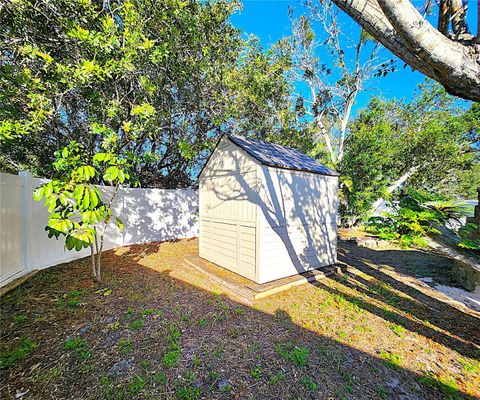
[158,329]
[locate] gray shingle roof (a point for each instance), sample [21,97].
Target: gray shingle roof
[277,156]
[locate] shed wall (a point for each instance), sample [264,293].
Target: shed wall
[297,222]
[228,210]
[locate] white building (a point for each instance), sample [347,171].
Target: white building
[266,211]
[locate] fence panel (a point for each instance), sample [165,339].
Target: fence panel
[149,215]
[12,227]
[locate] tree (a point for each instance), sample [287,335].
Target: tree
[424,144]
[77,209]
[154,81]
[333,80]
[451,57]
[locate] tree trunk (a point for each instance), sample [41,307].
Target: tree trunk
[344,123]
[458,14]
[395,185]
[326,137]
[443,16]
[92,257]
[96,264]
[407,34]
[99,258]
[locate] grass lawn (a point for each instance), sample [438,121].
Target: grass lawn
[157,329]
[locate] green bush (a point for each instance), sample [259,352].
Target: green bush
[416,215]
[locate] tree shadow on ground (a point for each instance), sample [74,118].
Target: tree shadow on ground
[219,348]
[415,310]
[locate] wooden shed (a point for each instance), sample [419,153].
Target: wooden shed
[266,211]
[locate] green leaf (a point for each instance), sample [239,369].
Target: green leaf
[61,225]
[78,193]
[111,173]
[51,203]
[85,172]
[38,193]
[121,176]
[119,223]
[86,200]
[94,198]
[107,292]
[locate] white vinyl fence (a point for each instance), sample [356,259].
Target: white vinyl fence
[149,215]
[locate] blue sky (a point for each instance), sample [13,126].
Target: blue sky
[268,20]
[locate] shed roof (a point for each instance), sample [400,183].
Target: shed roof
[274,155]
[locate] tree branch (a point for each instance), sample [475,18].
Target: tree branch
[400,27]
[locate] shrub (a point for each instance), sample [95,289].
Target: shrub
[415,216]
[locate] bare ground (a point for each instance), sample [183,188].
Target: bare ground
[157,329]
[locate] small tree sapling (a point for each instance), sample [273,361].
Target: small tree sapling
[77,209]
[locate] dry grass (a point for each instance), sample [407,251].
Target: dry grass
[371,332]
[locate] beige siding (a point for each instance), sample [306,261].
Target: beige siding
[228,210]
[297,222]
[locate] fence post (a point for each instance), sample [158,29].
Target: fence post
[27,219]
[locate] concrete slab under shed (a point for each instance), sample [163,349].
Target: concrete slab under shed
[246,291]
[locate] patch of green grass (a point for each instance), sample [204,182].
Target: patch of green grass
[137,384]
[114,326]
[136,324]
[256,372]
[109,391]
[343,336]
[174,334]
[87,368]
[19,318]
[213,375]
[309,383]
[226,389]
[398,330]
[47,375]
[447,385]
[218,317]
[218,353]
[277,378]
[160,378]
[233,332]
[186,316]
[130,313]
[392,359]
[78,345]
[363,328]
[297,355]
[197,362]
[148,311]
[190,376]
[71,299]
[171,357]
[74,343]
[470,367]
[126,345]
[238,311]
[202,321]
[174,351]
[188,393]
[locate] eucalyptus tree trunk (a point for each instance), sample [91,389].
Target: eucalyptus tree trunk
[452,60]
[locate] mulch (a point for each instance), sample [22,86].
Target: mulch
[374,331]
